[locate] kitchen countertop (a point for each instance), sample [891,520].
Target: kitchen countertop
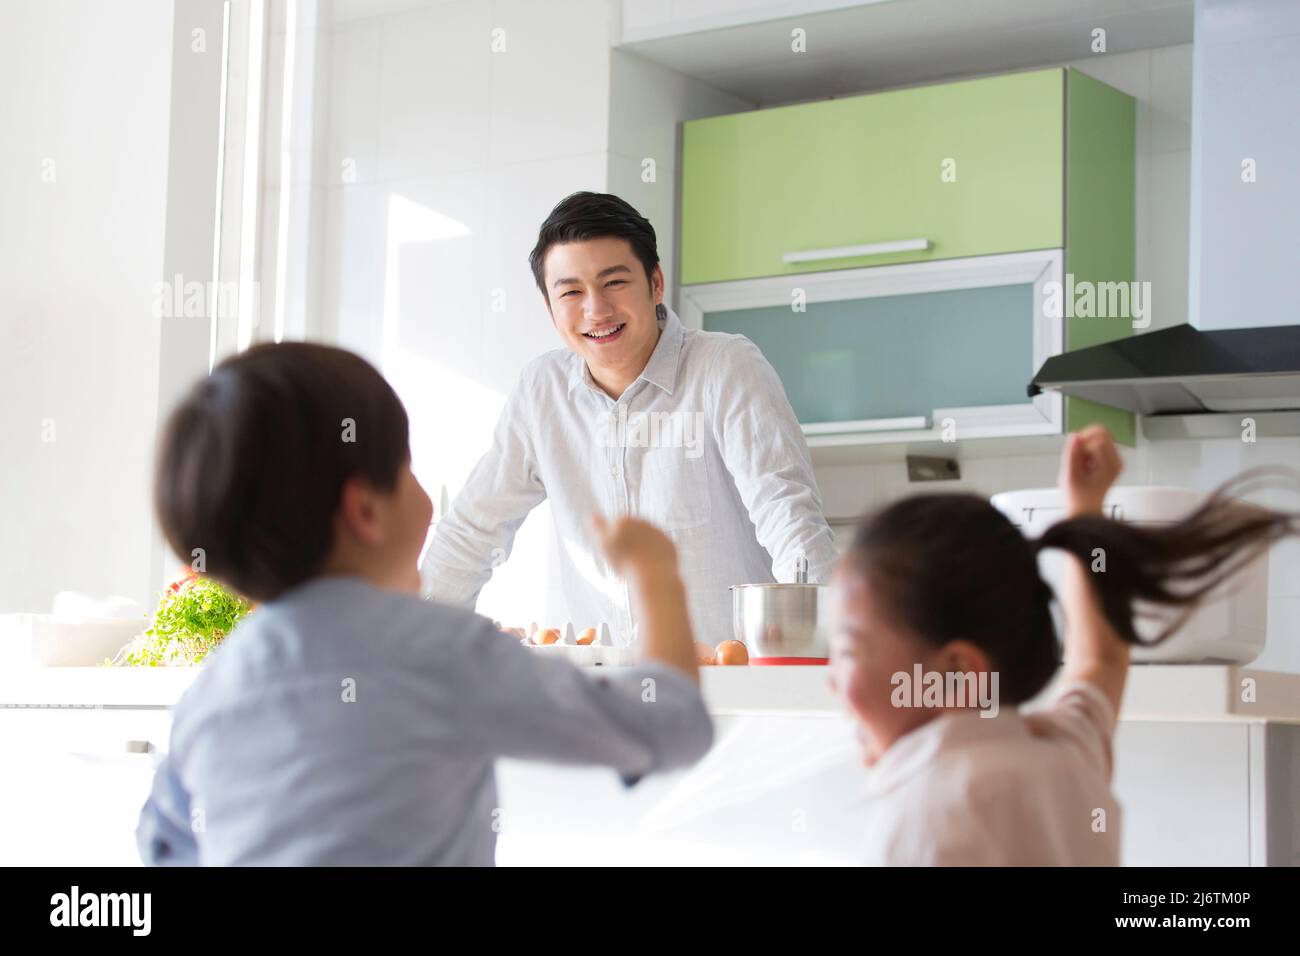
[1155,691]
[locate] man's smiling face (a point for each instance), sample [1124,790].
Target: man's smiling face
[604,306]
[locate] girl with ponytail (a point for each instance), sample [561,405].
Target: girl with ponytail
[942,628]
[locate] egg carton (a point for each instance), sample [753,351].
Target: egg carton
[601,652]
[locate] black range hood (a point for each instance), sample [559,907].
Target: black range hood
[1182,371]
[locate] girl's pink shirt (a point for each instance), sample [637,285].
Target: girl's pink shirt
[1023,788]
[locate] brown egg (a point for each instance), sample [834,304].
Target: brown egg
[732,652]
[548,636]
[704,654]
[588,636]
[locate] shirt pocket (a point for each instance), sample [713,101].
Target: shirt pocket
[674,489]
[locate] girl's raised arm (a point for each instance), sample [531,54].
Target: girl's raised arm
[1094,652]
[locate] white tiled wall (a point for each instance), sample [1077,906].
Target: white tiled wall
[444,156]
[85,93]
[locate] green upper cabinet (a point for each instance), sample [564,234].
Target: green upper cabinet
[974,168]
[1100,213]
[1028,163]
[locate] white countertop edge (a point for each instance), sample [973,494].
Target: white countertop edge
[1155,692]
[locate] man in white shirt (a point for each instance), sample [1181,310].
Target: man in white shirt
[690,430]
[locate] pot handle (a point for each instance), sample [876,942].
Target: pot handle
[801,569]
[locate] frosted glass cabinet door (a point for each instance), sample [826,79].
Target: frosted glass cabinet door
[895,356]
[902,353]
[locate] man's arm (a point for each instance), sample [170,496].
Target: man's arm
[477,533]
[767,456]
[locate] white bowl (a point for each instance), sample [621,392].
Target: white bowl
[43,640]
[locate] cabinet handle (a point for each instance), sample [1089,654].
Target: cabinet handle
[868,425]
[849,252]
[114,750]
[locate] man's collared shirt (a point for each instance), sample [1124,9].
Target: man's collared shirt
[703,444]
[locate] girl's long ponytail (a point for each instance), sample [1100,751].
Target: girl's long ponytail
[1138,569]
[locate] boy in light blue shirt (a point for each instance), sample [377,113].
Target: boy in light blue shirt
[346,721]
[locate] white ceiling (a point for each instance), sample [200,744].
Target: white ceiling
[875,44]
[903,42]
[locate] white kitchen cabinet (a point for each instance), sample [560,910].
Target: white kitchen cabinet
[783,789]
[1184,793]
[75,779]
[1202,777]
[772,791]
[1209,793]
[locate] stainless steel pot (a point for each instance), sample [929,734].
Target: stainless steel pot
[782,623]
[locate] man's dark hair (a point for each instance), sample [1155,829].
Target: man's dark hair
[586,215]
[252,463]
